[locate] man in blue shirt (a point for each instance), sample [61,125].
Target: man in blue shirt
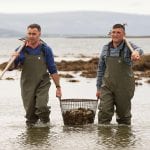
[115,78]
[38,66]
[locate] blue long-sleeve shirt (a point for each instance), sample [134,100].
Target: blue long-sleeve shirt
[49,58]
[113,52]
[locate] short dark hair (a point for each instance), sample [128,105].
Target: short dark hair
[119,26]
[34,25]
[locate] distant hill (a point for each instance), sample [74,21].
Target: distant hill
[74,23]
[9,32]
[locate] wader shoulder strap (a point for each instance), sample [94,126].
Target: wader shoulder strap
[43,49]
[44,53]
[108,50]
[25,51]
[121,52]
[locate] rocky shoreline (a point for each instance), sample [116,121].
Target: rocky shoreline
[88,69]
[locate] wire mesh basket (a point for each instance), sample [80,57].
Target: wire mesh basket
[78,111]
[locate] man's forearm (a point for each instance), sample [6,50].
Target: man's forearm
[135,47]
[56,80]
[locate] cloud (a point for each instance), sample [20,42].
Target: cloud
[28,6]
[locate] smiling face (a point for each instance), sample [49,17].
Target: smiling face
[117,35]
[33,35]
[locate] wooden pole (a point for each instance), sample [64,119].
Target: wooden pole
[12,59]
[129,45]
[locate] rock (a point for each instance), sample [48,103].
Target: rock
[3,65]
[8,78]
[89,68]
[73,80]
[148,81]
[143,64]
[89,74]
[66,76]
[138,83]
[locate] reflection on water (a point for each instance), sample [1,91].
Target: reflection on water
[116,137]
[34,137]
[15,136]
[89,137]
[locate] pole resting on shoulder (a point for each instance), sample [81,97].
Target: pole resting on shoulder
[129,45]
[25,39]
[12,59]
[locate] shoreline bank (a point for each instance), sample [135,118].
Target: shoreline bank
[88,68]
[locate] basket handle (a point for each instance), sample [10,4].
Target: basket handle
[98,98]
[59,98]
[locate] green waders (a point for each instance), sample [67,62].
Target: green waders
[117,90]
[35,84]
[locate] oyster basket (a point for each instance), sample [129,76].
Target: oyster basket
[78,111]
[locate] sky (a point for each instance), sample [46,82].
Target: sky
[42,6]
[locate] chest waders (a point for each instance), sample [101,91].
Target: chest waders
[35,84]
[117,90]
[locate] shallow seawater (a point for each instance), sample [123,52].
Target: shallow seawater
[15,135]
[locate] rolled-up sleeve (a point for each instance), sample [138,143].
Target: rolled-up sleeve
[50,60]
[135,47]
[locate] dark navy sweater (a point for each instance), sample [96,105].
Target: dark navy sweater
[48,56]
